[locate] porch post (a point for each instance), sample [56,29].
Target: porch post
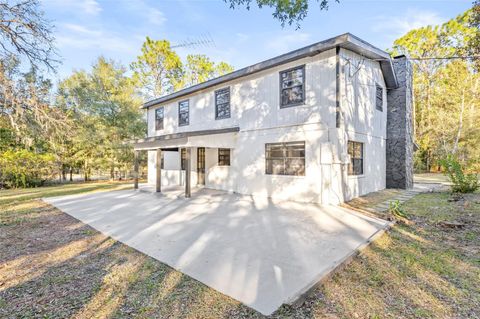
[158,166]
[187,172]
[135,170]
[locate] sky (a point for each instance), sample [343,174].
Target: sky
[87,29]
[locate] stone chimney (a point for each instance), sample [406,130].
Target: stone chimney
[400,127]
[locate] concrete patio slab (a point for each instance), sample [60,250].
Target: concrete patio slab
[260,252]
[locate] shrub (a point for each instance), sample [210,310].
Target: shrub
[23,168]
[461,181]
[396,209]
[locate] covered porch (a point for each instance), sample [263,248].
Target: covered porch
[183,159]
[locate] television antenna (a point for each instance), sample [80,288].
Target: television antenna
[203,40]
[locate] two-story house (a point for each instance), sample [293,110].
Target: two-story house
[324,123]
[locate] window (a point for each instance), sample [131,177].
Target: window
[183,113]
[222,103]
[285,158]
[355,150]
[183,158]
[159,118]
[224,157]
[379,97]
[162,162]
[292,87]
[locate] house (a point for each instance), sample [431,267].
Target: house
[324,123]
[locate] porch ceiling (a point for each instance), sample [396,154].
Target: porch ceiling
[219,138]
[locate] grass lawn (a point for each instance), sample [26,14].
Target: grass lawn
[53,266]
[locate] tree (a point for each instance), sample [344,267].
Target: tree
[474,44]
[199,68]
[25,31]
[286,11]
[445,91]
[106,109]
[158,68]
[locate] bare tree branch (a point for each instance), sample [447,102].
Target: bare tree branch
[25,31]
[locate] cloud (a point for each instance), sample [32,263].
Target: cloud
[88,7]
[83,38]
[287,41]
[412,19]
[156,16]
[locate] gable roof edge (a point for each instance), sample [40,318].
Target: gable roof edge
[347,41]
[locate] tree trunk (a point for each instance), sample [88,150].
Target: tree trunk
[85,171]
[460,123]
[71,174]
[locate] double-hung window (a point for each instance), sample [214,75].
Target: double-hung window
[224,157]
[355,150]
[183,113]
[378,97]
[159,114]
[285,158]
[292,87]
[222,103]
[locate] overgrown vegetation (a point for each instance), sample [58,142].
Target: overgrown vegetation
[462,182]
[417,270]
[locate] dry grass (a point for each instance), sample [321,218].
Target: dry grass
[53,266]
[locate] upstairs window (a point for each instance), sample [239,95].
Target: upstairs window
[378,97]
[292,87]
[355,150]
[159,114]
[183,113]
[224,157]
[222,103]
[285,158]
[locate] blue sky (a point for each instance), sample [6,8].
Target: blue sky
[86,29]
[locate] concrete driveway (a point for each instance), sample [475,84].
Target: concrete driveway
[259,252]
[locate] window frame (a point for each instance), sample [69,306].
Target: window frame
[220,159]
[188,113]
[183,159]
[156,119]
[216,92]
[302,67]
[285,158]
[377,107]
[351,164]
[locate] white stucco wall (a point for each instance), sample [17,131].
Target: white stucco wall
[255,109]
[363,122]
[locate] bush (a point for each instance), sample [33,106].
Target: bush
[461,182]
[396,209]
[23,168]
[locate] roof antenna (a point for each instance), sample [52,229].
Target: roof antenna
[203,40]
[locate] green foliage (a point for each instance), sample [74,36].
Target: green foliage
[474,23]
[446,91]
[23,168]
[158,68]
[286,11]
[199,68]
[397,210]
[461,181]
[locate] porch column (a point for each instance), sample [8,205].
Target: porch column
[135,170]
[187,172]
[158,166]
